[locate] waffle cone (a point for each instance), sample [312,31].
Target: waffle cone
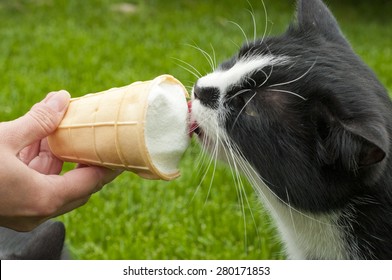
[107,129]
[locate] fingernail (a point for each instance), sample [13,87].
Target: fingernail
[58,100]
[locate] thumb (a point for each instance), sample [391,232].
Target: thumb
[42,120]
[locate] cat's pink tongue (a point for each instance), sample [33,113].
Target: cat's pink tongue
[192,124]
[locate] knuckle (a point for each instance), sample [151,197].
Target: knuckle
[44,118]
[5,135]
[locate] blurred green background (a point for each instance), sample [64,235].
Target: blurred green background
[89,46]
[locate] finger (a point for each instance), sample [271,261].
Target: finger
[80,183]
[45,162]
[72,205]
[39,122]
[44,196]
[27,154]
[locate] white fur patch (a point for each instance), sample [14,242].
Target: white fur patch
[305,235]
[224,79]
[207,119]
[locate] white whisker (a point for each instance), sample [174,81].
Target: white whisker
[243,108]
[216,150]
[254,177]
[238,93]
[266,21]
[205,172]
[202,159]
[267,76]
[289,92]
[235,156]
[252,80]
[242,31]
[235,44]
[291,212]
[189,88]
[297,79]
[206,55]
[237,182]
[251,12]
[215,65]
[194,71]
[188,70]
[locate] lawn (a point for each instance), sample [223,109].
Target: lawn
[88,46]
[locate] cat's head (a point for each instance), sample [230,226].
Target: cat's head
[302,109]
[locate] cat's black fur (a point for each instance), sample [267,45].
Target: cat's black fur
[327,153]
[46,242]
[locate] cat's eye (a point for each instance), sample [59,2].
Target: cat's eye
[250,111]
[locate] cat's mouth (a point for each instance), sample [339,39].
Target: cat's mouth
[194,128]
[193,125]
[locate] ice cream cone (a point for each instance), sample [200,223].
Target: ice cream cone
[110,129]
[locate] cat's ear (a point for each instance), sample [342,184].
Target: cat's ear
[314,15]
[372,141]
[352,144]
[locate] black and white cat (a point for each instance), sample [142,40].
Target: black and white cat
[310,125]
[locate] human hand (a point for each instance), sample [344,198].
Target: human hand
[31,191]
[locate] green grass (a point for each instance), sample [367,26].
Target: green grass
[86,46]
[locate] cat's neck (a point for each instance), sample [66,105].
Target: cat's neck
[352,232]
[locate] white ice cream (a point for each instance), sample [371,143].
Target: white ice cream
[166,127]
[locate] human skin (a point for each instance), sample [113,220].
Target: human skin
[31,189]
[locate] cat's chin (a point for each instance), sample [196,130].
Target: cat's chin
[206,142]
[194,127]
[203,125]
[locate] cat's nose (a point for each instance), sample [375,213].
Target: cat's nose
[208,96]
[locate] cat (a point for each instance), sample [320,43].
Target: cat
[310,125]
[46,242]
